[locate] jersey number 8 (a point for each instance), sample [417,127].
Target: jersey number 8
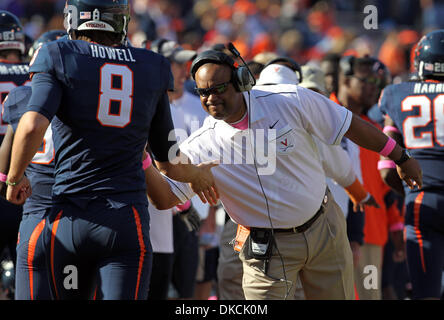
[121,94]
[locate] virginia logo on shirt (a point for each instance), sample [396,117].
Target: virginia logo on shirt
[284,141]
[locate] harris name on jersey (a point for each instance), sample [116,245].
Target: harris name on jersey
[428,87]
[98,51]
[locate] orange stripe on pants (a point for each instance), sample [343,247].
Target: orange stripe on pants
[416,210]
[53,234]
[31,251]
[142,250]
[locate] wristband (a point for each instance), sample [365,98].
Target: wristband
[388,148]
[183,207]
[386,164]
[391,129]
[3,177]
[12,184]
[147,162]
[397,226]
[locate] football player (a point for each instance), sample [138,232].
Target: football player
[105,101]
[415,117]
[31,280]
[13,73]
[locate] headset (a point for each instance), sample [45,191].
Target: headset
[241,76]
[292,64]
[156,45]
[346,65]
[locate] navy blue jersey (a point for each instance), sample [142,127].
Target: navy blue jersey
[417,109]
[40,171]
[12,75]
[105,103]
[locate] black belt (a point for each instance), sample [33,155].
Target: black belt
[308,224]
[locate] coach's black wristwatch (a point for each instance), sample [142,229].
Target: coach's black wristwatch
[404,157]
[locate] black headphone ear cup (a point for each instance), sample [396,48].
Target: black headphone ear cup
[156,45]
[244,79]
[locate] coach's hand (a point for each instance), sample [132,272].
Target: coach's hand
[203,183]
[411,173]
[18,193]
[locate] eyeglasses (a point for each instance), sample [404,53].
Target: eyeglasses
[369,80]
[217,89]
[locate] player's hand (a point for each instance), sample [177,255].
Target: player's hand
[369,202]
[411,173]
[19,193]
[203,183]
[391,178]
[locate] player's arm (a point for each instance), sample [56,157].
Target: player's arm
[157,188]
[176,165]
[368,136]
[43,104]
[163,192]
[387,168]
[28,138]
[5,155]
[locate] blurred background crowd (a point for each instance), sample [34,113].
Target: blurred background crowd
[300,29]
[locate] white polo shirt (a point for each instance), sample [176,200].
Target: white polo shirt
[287,117]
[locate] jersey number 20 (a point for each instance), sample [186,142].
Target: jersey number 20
[116,86]
[428,112]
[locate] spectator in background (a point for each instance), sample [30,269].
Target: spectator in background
[356,91]
[313,79]
[330,68]
[255,68]
[264,57]
[183,112]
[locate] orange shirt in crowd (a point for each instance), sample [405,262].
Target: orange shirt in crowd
[377,220]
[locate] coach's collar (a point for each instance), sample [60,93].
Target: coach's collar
[256,114]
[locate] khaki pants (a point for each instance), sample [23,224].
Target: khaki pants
[229,269]
[368,272]
[321,257]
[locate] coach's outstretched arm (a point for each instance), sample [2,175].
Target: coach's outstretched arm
[369,137]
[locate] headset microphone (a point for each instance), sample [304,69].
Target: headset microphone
[237,54]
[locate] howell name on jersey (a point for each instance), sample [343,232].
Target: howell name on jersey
[119,54]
